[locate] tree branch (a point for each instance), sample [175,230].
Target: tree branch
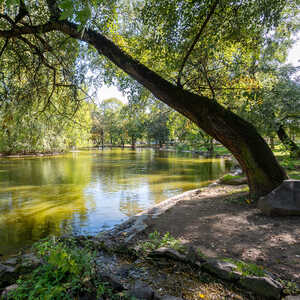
[7,18]
[4,46]
[197,37]
[22,12]
[54,10]
[38,51]
[208,81]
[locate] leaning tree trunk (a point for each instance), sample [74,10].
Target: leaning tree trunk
[237,135]
[288,142]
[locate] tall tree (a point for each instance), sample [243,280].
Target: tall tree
[90,21]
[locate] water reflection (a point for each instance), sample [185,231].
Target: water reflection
[84,192]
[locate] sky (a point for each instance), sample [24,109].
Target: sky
[294,53]
[106,92]
[109,92]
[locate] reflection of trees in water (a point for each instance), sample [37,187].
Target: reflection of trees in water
[41,196]
[42,200]
[130,206]
[164,175]
[42,171]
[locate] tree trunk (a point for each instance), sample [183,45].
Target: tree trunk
[133,143]
[237,135]
[211,146]
[288,142]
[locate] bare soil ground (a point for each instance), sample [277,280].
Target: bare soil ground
[219,221]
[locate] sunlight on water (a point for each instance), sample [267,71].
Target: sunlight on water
[88,191]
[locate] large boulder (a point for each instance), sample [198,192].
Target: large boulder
[283,201]
[222,269]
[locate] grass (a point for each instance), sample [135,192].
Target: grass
[290,164]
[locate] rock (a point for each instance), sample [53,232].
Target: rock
[236,171]
[168,253]
[30,261]
[12,261]
[13,267]
[297,297]
[141,291]
[283,201]
[112,280]
[7,290]
[8,275]
[231,179]
[263,286]
[124,270]
[193,257]
[223,269]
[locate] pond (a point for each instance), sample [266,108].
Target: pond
[87,191]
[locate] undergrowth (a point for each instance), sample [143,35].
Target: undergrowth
[67,272]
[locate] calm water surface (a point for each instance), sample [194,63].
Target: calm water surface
[88,191]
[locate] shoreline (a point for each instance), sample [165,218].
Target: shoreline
[38,154]
[56,153]
[125,238]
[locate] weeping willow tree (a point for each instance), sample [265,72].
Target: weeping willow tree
[41,103]
[157,43]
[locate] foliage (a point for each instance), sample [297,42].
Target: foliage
[247,269]
[30,131]
[65,273]
[156,240]
[68,271]
[290,287]
[212,48]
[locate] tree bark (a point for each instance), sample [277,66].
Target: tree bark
[288,142]
[237,135]
[133,141]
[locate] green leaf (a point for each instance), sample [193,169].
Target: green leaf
[66,14]
[83,15]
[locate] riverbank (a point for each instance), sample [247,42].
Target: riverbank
[220,222]
[205,226]
[38,154]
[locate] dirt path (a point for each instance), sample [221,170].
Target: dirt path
[223,225]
